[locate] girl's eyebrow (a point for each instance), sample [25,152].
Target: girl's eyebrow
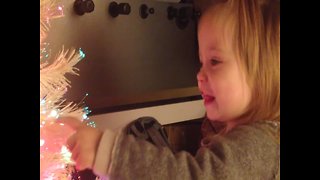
[215,52]
[211,49]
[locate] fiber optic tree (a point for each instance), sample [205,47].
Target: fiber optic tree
[55,159]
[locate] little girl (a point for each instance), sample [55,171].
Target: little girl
[239,47]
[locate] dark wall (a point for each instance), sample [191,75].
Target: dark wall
[128,59]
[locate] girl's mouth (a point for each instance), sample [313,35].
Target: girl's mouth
[208,99]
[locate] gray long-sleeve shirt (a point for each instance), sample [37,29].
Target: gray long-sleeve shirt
[247,152]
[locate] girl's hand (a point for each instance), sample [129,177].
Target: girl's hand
[83,143]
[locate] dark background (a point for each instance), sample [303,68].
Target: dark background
[130,62]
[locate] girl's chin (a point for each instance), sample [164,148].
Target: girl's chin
[212,116]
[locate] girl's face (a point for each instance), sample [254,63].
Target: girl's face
[221,80]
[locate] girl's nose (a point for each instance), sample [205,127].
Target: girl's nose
[201,76]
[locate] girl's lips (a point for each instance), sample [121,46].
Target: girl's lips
[208,99]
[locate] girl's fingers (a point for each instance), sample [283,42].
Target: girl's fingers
[72,122]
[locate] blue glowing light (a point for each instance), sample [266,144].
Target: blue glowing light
[82,54]
[42,102]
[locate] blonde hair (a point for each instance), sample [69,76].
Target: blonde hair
[256,29]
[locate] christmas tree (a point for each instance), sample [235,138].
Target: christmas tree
[55,159]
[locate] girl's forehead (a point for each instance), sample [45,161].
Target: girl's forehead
[215,35]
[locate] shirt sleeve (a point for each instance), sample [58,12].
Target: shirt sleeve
[245,153]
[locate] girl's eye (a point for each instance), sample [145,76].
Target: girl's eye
[214,62]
